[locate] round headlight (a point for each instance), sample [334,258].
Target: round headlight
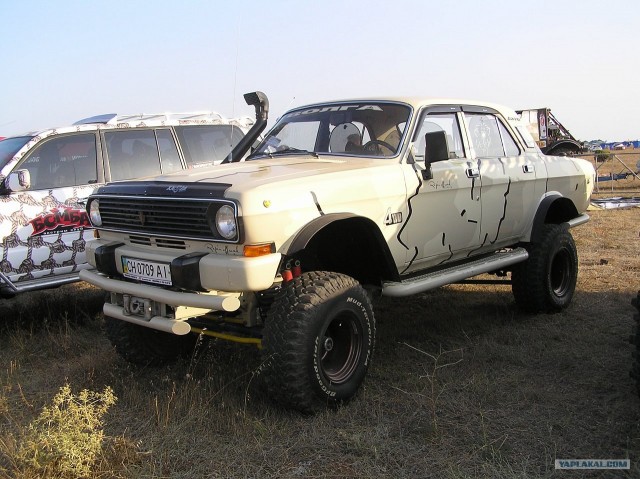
[226,222]
[94,213]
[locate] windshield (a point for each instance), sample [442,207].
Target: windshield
[10,146]
[355,128]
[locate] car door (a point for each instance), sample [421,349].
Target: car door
[508,177]
[49,225]
[444,220]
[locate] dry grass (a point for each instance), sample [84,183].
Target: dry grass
[463,385]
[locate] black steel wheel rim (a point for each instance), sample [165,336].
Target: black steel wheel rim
[560,274]
[341,348]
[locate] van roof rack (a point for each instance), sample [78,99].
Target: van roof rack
[114,118]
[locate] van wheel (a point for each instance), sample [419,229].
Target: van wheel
[318,341]
[145,346]
[547,280]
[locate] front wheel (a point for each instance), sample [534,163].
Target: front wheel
[145,346]
[318,341]
[547,280]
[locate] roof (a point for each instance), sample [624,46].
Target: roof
[423,101]
[141,120]
[114,118]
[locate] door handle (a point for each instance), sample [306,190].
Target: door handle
[528,168]
[473,172]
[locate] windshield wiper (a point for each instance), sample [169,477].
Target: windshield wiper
[288,150]
[282,151]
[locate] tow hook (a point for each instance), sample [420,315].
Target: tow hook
[136,306]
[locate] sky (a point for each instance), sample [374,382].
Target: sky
[65,60]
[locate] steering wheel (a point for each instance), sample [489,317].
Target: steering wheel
[373,146]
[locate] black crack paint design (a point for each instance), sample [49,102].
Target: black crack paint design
[504,211]
[317,203]
[420,183]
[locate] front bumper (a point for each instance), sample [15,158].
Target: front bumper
[191,271]
[219,302]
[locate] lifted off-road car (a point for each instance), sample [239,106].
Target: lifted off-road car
[340,202]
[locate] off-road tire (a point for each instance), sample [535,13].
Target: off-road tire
[634,339]
[318,341]
[546,281]
[145,346]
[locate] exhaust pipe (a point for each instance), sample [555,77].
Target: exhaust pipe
[260,101]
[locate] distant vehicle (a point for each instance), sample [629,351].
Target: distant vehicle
[619,146]
[594,146]
[45,176]
[550,135]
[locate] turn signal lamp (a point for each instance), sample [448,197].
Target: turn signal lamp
[255,250]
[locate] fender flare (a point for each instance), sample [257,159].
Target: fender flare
[304,236]
[566,211]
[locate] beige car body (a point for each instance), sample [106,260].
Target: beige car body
[428,214]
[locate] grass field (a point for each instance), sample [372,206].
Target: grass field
[462,385]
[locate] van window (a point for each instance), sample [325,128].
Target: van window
[132,154]
[207,144]
[10,146]
[63,161]
[169,157]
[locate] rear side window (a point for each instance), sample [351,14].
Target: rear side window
[526,136]
[485,135]
[207,144]
[510,145]
[62,161]
[132,154]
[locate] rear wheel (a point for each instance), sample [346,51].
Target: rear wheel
[318,341]
[547,280]
[145,346]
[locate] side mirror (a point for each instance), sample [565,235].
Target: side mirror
[19,180]
[435,149]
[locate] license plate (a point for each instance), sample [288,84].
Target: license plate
[148,271]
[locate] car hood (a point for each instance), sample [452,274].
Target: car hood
[253,174]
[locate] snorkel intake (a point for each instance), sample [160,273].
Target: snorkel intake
[260,101]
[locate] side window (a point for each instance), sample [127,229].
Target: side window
[132,154]
[510,145]
[207,144]
[523,131]
[169,157]
[485,134]
[447,122]
[63,161]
